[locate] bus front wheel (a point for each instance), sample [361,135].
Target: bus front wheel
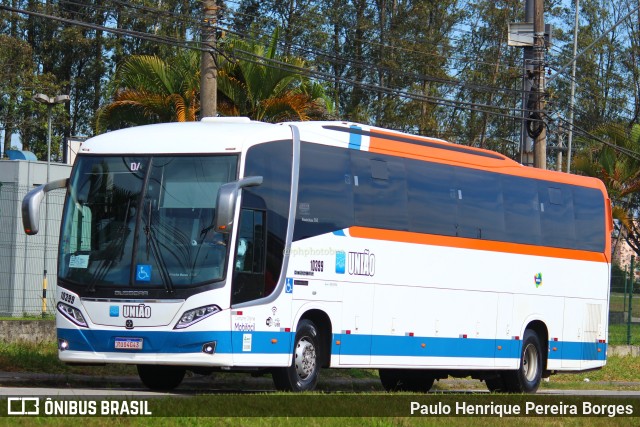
[302,374]
[161,377]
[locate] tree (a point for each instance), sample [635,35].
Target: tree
[266,86]
[16,70]
[152,90]
[620,173]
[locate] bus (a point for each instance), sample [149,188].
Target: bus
[234,245]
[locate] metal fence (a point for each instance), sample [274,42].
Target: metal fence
[624,307]
[22,257]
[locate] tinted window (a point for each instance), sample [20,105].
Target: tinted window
[325,199]
[432,198]
[588,205]
[480,206]
[522,210]
[404,194]
[379,191]
[556,215]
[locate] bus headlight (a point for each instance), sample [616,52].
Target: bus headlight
[197,314]
[72,314]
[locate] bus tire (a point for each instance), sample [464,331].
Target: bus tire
[302,374]
[158,377]
[406,380]
[526,379]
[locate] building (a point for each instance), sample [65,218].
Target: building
[22,257]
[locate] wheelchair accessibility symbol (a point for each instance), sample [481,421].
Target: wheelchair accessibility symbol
[288,286]
[143,273]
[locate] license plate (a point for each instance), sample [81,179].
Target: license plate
[129,343]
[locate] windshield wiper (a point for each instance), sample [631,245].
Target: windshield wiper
[115,246]
[152,243]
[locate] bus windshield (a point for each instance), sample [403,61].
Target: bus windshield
[144,222]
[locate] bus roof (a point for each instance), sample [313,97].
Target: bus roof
[394,143]
[207,136]
[235,134]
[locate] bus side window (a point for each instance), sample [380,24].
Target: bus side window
[379,191]
[249,278]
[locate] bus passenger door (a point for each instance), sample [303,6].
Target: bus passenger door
[249,263]
[357,317]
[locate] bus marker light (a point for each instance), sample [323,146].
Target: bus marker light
[599,350]
[238,313]
[555,348]
[555,339]
[517,338]
[287,329]
[410,334]
[338,342]
[63,344]
[423,345]
[463,335]
[274,341]
[348,331]
[499,347]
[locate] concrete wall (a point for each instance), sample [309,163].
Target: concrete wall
[28,331]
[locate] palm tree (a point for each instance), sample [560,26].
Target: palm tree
[152,90]
[266,86]
[263,86]
[618,167]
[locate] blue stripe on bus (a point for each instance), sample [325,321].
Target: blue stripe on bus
[578,350]
[355,139]
[277,342]
[177,341]
[339,233]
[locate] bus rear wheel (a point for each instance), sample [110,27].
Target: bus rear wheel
[161,377]
[526,379]
[406,380]
[302,374]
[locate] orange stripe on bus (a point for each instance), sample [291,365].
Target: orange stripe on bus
[475,244]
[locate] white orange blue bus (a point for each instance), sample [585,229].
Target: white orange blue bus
[235,245]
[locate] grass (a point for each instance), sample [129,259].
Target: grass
[618,369]
[43,358]
[620,373]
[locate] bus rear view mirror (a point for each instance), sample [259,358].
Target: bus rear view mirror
[226,202]
[31,205]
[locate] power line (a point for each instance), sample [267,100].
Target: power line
[484,108]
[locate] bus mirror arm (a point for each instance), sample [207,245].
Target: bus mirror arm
[226,202]
[31,205]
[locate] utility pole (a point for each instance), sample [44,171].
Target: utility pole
[526,144]
[208,66]
[573,84]
[540,143]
